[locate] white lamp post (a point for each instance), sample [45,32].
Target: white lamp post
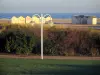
[42,36]
[42,22]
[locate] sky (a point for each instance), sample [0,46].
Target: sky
[49,6]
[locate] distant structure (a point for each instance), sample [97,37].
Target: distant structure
[28,20]
[81,19]
[21,20]
[14,20]
[48,19]
[36,19]
[92,20]
[42,18]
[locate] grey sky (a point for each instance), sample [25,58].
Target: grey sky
[49,6]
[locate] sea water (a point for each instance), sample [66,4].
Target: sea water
[53,15]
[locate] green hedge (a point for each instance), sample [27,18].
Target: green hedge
[18,41]
[72,42]
[69,42]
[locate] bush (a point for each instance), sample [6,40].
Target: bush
[71,42]
[19,40]
[20,43]
[52,44]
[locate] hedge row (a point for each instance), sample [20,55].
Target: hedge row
[69,42]
[19,41]
[72,42]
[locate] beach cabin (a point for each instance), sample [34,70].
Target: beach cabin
[21,20]
[92,20]
[14,20]
[36,19]
[42,18]
[28,19]
[85,19]
[81,19]
[75,20]
[47,19]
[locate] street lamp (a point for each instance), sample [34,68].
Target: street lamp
[42,36]
[42,21]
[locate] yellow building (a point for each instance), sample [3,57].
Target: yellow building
[14,20]
[42,18]
[94,22]
[21,20]
[28,19]
[36,19]
[48,19]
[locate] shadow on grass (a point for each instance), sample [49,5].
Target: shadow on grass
[66,70]
[48,67]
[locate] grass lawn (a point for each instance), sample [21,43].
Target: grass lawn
[48,67]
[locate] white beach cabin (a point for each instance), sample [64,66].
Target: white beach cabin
[14,20]
[92,20]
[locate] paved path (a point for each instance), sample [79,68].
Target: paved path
[51,57]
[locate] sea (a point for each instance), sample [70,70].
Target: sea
[53,15]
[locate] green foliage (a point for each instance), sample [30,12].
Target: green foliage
[18,42]
[53,45]
[71,42]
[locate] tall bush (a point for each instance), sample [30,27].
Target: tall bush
[18,42]
[52,45]
[71,42]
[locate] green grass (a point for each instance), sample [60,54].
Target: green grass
[49,67]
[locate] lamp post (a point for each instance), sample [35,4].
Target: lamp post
[42,22]
[42,36]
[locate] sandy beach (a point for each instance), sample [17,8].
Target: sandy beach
[65,21]
[55,21]
[5,21]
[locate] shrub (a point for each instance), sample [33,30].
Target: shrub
[94,52]
[52,43]
[18,42]
[71,42]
